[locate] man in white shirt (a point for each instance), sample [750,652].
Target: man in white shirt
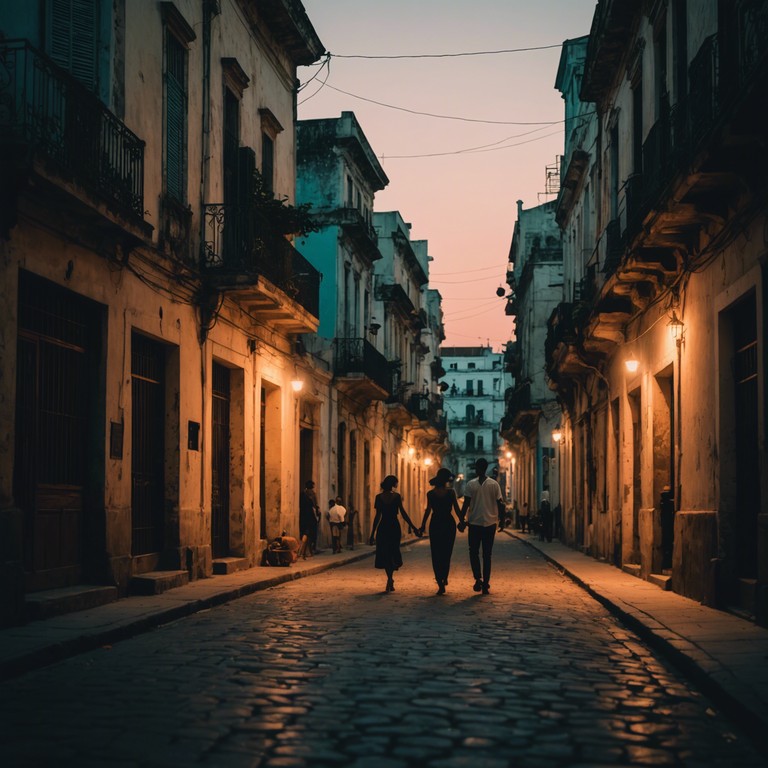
[337,516]
[482,504]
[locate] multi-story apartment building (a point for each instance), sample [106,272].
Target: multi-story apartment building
[474,405]
[151,295]
[535,278]
[657,349]
[411,323]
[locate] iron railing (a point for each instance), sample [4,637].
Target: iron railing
[359,356]
[236,241]
[44,109]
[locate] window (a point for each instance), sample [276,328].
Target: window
[270,128]
[471,366]
[470,444]
[479,442]
[350,191]
[177,37]
[479,386]
[71,38]
[470,387]
[268,162]
[452,366]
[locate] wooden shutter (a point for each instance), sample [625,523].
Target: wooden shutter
[71,32]
[175,117]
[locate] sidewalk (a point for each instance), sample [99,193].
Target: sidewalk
[44,642]
[726,656]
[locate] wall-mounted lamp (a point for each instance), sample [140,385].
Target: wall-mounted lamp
[557,434]
[411,450]
[297,383]
[428,462]
[508,454]
[632,364]
[676,326]
[373,328]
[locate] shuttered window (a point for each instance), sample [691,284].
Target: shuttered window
[71,37]
[175,117]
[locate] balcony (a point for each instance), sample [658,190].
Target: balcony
[259,268]
[50,121]
[395,296]
[361,370]
[362,235]
[521,414]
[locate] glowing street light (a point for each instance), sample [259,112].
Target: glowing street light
[632,364]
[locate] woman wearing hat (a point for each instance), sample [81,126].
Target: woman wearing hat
[441,502]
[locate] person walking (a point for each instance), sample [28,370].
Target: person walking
[482,505]
[525,519]
[545,517]
[337,515]
[307,519]
[385,531]
[441,503]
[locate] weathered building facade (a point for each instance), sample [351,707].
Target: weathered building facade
[657,350]
[151,295]
[535,279]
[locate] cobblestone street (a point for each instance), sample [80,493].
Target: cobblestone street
[329,670]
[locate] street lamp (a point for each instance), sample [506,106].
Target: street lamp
[631,363]
[557,434]
[676,326]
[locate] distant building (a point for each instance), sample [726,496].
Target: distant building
[474,404]
[535,277]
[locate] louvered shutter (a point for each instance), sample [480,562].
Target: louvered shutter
[72,37]
[175,118]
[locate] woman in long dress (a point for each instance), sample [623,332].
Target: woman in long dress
[441,502]
[385,531]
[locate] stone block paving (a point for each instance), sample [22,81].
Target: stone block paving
[332,671]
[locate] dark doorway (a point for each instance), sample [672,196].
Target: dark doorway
[56,450]
[744,325]
[220,462]
[148,445]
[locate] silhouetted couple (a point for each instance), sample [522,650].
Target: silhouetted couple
[481,508]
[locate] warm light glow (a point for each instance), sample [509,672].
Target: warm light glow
[508,454]
[297,385]
[557,435]
[411,450]
[514,461]
[427,462]
[676,326]
[632,364]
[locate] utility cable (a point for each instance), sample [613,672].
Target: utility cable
[443,55]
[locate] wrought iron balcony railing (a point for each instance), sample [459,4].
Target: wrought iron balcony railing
[236,243]
[45,110]
[359,356]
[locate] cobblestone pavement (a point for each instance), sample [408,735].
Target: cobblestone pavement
[331,671]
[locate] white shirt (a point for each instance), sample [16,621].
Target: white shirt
[483,509]
[337,513]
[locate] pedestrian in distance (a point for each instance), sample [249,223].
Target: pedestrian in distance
[515,515]
[525,519]
[385,531]
[481,508]
[308,509]
[441,503]
[337,515]
[545,517]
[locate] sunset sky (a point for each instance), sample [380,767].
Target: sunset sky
[462,202]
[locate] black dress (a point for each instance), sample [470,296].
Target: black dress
[388,554]
[442,532]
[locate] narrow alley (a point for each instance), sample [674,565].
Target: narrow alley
[330,670]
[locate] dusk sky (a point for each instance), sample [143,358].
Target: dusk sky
[462,201]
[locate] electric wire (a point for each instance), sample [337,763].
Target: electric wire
[444,55]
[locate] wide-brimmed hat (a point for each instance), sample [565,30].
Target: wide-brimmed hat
[444,475]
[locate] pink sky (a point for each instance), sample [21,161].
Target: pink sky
[463,204]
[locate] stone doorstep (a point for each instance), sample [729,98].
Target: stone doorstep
[632,569]
[224,565]
[56,602]
[662,580]
[157,582]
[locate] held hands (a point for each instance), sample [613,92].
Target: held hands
[419,532]
[462,526]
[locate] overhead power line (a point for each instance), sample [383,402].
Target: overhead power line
[443,55]
[442,117]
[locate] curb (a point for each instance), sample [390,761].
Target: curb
[755,726]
